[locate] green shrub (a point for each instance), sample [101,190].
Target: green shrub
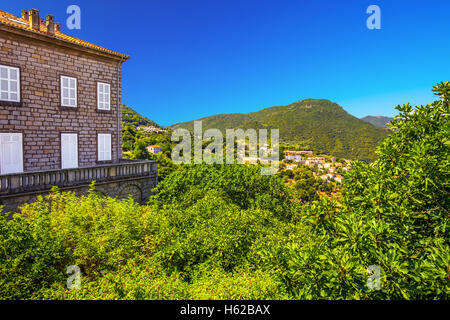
[226,232]
[395,214]
[242,185]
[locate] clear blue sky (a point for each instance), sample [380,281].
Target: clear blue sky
[196,58]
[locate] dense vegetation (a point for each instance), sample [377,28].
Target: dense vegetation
[136,141]
[310,123]
[227,232]
[134,119]
[306,186]
[378,121]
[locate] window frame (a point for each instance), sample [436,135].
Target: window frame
[9,80]
[110,147]
[61,146]
[69,88]
[22,145]
[99,83]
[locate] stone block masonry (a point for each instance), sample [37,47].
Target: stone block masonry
[140,190]
[39,149]
[135,178]
[39,115]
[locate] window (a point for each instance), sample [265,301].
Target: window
[104,146]
[103,96]
[11,153]
[68,91]
[9,84]
[69,150]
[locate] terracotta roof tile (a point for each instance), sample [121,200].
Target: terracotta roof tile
[18,22]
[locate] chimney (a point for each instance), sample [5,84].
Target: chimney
[35,21]
[57,27]
[25,15]
[50,24]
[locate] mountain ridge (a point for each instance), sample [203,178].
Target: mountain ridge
[313,123]
[378,121]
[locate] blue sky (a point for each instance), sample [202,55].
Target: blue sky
[191,59]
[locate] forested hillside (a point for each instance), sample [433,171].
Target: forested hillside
[132,118]
[310,123]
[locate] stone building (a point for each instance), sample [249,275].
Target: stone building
[60,115]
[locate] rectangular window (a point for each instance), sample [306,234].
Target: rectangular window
[11,153]
[68,91]
[9,84]
[104,146]
[103,96]
[69,150]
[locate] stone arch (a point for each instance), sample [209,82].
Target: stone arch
[132,189]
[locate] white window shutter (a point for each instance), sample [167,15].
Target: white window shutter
[107,96]
[99,95]
[101,153]
[11,153]
[103,94]
[64,151]
[104,147]
[101,147]
[108,147]
[69,150]
[64,91]
[9,83]
[68,91]
[73,95]
[74,150]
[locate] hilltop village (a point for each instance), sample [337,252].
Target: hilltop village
[143,139]
[327,167]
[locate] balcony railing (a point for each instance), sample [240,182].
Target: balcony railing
[42,180]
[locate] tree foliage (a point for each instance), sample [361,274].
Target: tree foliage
[226,232]
[395,214]
[134,119]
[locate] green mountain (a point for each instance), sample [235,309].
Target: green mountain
[132,118]
[378,121]
[312,123]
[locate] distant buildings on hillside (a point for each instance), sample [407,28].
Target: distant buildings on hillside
[154,149]
[151,129]
[296,155]
[331,176]
[307,158]
[291,166]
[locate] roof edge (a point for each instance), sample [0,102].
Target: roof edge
[62,42]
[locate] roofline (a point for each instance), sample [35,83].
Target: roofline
[62,42]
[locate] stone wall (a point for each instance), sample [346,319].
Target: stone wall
[138,188]
[39,116]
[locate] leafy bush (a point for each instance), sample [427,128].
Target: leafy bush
[126,250]
[59,230]
[226,232]
[242,185]
[31,255]
[394,215]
